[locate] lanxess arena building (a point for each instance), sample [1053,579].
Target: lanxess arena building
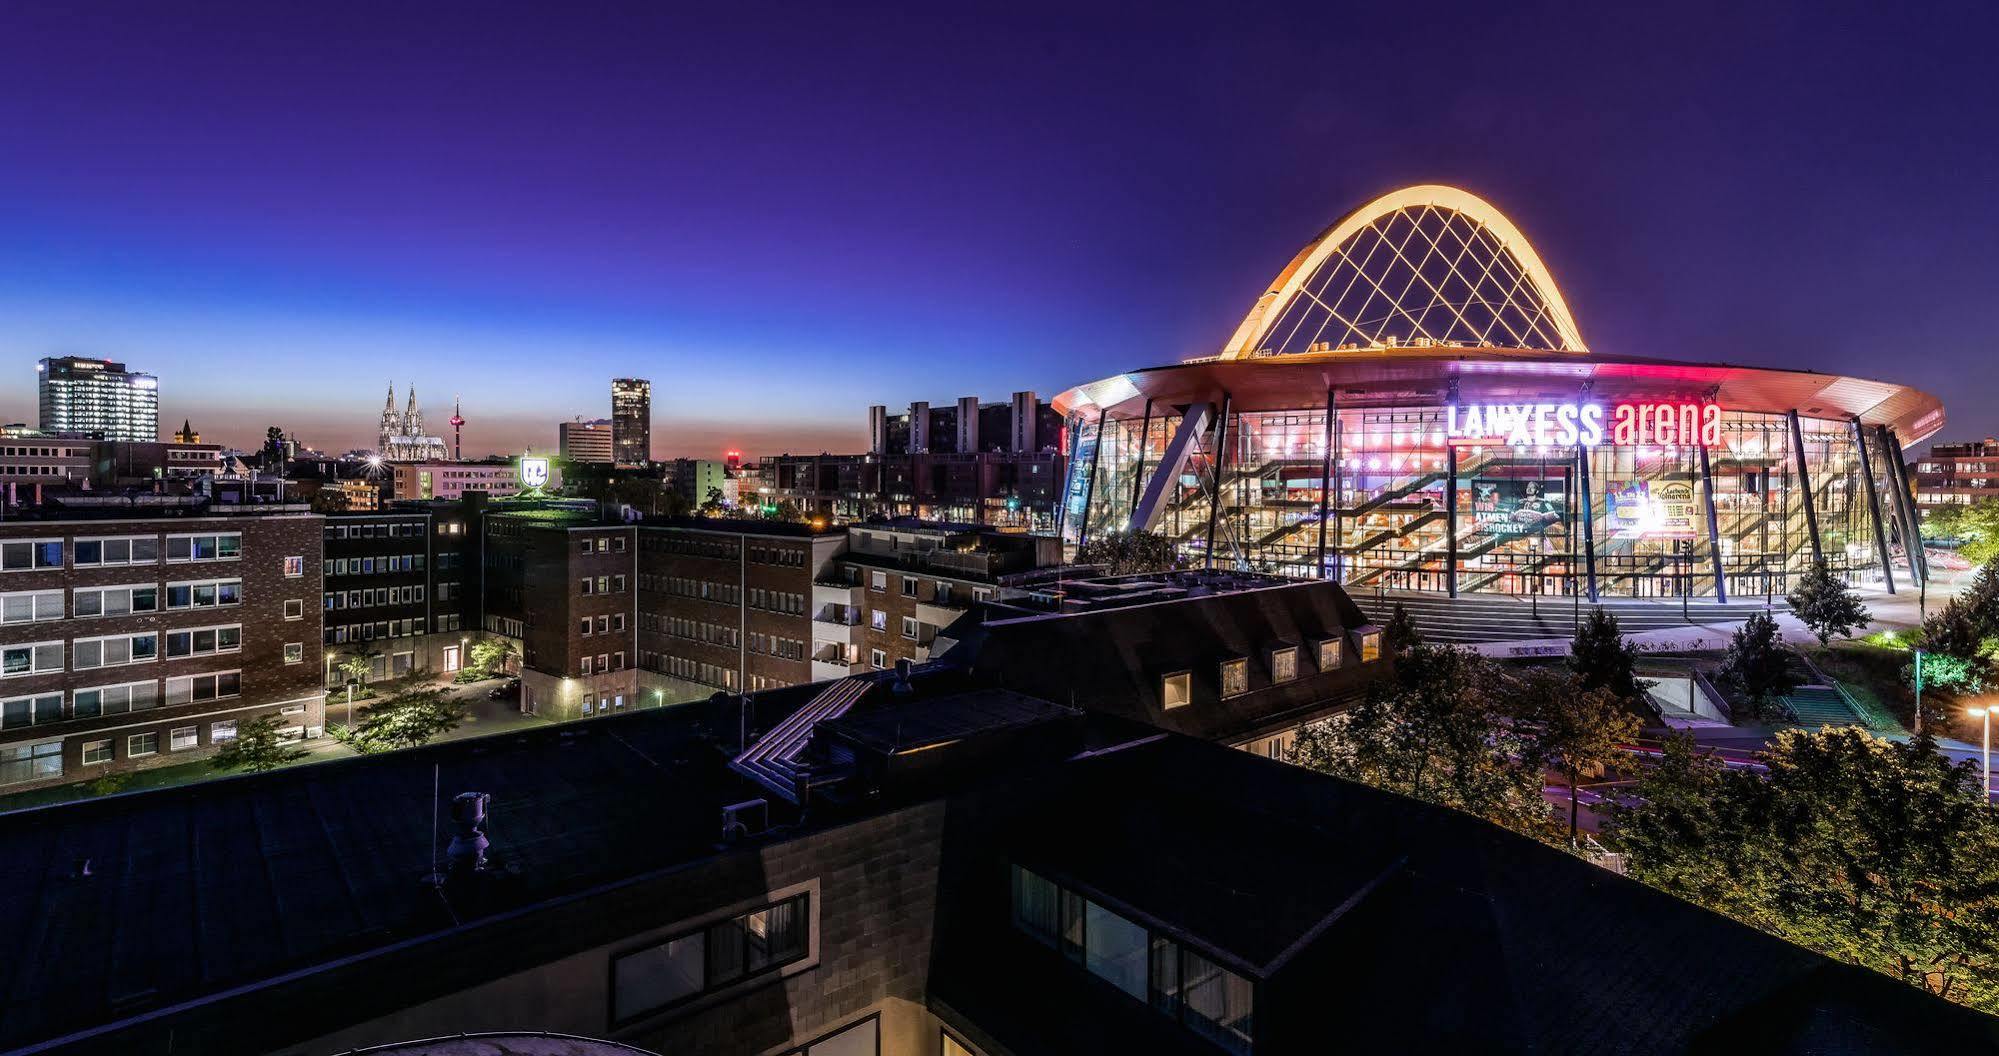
[1411,406]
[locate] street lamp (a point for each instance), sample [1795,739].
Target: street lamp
[1985,792]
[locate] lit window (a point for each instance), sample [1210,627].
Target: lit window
[909,627]
[181,738]
[294,567]
[1235,677]
[877,581]
[1283,664]
[1370,646]
[1332,653]
[1177,690]
[294,652]
[218,732]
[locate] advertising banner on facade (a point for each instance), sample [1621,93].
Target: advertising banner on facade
[1651,509]
[1515,507]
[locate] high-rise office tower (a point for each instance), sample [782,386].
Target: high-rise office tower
[98,397]
[581,441]
[631,421]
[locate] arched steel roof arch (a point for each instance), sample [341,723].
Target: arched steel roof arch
[1474,278]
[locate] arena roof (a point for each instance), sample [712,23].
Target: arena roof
[1429,289]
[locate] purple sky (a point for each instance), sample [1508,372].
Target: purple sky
[784,214]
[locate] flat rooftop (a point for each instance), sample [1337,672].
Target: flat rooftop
[127,903]
[1073,590]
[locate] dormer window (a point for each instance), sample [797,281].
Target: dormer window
[1176,690]
[1235,677]
[1370,645]
[1332,654]
[1284,663]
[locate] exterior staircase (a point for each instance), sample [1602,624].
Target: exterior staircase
[775,760]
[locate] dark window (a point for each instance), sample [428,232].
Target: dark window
[748,944]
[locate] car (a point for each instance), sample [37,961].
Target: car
[505,689]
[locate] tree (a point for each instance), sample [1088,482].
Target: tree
[273,454]
[1682,827]
[1871,851]
[1975,527]
[357,667]
[488,658]
[1602,658]
[257,747]
[1757,665]
[409,717]
[1399,634]
[1575,729]
[1442,731]
[1130,553]
[1827,605]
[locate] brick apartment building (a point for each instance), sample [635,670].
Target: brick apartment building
[396,589]
[136,634]
[560,581]
[728,604]
[1956,474]
[895,584]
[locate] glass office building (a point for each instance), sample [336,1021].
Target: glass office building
[1459,438]
[98,398]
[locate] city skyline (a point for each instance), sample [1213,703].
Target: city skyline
[517,227]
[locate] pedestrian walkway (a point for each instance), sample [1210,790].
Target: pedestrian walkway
[1488,618]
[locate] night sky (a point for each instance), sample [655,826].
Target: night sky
[784,214]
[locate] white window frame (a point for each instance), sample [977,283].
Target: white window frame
[159,599]
[132,745]
[167,542]
[912,629]
[159,550]
[878,659]
[294,652]
[61,712]
[34,653]
[188,681]
[294,608]
[192,631]
[294,562]
[174,738]
[149,683]
[34,549]
[110,753]
[36,598]
[129,637]
[166,604]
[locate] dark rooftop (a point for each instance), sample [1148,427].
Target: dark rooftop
[1062,591]
[741,526]
[113,906]
[902,726]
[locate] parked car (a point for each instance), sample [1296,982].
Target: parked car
[510,687]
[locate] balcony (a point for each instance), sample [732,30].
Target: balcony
[834,630]
[823,670]
[824,594]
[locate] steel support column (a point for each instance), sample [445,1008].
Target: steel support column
[1193,422]
[1805,479]
[1713,530]
[1221,461]
[1325,480]
[1873,504]
[1589,519]
[1451,520]
[1905,502]
[1090,488]
[1144,437]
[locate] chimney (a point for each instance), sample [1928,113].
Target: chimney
[878,430]
[968,425]
[1026,417]
[919,428]
[902,688]
[467,853]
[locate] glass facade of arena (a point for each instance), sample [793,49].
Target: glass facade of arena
[1404,509]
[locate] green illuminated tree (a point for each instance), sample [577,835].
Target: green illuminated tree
[488,657]
[258,747]
[1825,603]
[1974,526]
[411,715]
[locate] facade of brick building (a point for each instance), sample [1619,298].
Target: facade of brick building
[396,591]
[560,582]
[137,638]
[727,605]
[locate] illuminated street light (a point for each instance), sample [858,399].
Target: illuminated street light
[1985,790]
